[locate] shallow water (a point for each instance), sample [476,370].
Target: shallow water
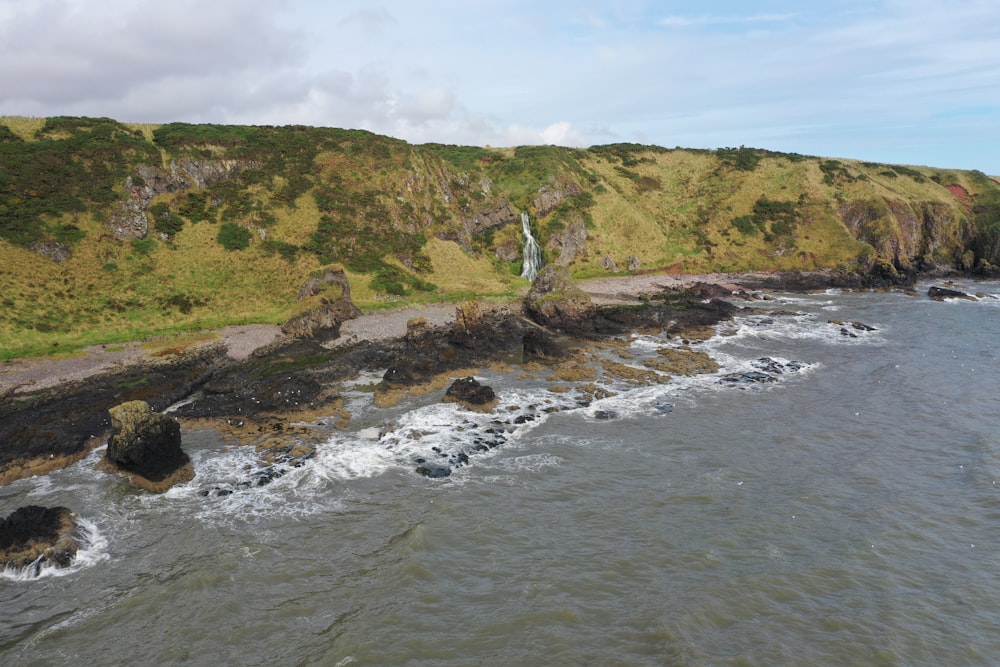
[845,513]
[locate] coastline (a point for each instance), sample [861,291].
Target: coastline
[252,381]
[241,341]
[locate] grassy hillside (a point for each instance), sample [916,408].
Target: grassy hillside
[112,232]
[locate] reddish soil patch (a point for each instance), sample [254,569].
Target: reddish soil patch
[961,194]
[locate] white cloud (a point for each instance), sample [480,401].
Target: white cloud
[505,72]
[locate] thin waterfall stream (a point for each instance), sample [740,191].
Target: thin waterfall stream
[532,252]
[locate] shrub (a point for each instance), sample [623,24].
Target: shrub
[233,237]
[144,246]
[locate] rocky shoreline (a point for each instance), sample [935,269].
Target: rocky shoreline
[268,398]
[47,425]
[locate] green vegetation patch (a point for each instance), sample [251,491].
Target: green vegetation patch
[74,166]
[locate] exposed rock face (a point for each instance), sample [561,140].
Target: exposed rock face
[549,197]
[500,215]
[336,307]
[906,236]
[129,221]
[555,300]
[147,446]
[569,243]
[470,393]
[609,264]
[322,282]
[57,252]
[33,535]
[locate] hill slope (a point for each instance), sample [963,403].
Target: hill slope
[111,232]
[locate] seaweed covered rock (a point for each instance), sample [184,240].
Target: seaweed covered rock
[470,393]
[556,301]
[33,535]
[146,446]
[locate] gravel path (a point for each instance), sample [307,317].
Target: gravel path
[241,340]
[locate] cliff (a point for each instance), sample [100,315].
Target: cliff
[110,231]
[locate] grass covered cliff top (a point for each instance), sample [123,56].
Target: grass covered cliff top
[112,231]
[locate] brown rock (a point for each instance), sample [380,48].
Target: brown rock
[555,300]
[33,535]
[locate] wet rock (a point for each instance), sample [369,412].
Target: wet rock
[32,536]
[146,446]
[470,393]
[747,378]
[433,471]
[605,415]
[942,293]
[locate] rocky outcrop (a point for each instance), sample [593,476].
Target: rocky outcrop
[555,301]
[568,244]
[53,250]
[469,393]
[907,236]
[941,293]
[33,536]
[550,196]
[336,307]
[146,446]
[493,218]
[128,219]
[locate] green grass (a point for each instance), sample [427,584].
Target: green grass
[395,215]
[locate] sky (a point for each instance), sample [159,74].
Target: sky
[901,81]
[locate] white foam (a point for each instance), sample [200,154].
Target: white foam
[93,550]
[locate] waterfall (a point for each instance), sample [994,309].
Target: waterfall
[532,253]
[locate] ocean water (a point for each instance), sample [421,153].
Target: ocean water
[830,496]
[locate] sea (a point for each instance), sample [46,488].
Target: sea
[829,496]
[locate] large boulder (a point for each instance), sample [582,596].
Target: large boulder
[555,301]
[33,535]
[336,307]
[146,446]
[470,393]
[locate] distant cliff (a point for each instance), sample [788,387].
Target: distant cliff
[110,231]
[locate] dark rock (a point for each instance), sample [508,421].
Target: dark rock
[748,378]
[51,428]
[33,535]
[539,343]
[942,293]
[605,415]
[861,326]
[433,471]
[470,393]
[146,445]
[555,300]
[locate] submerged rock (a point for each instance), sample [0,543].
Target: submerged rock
[33,535]
[146,446]
[433,471]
